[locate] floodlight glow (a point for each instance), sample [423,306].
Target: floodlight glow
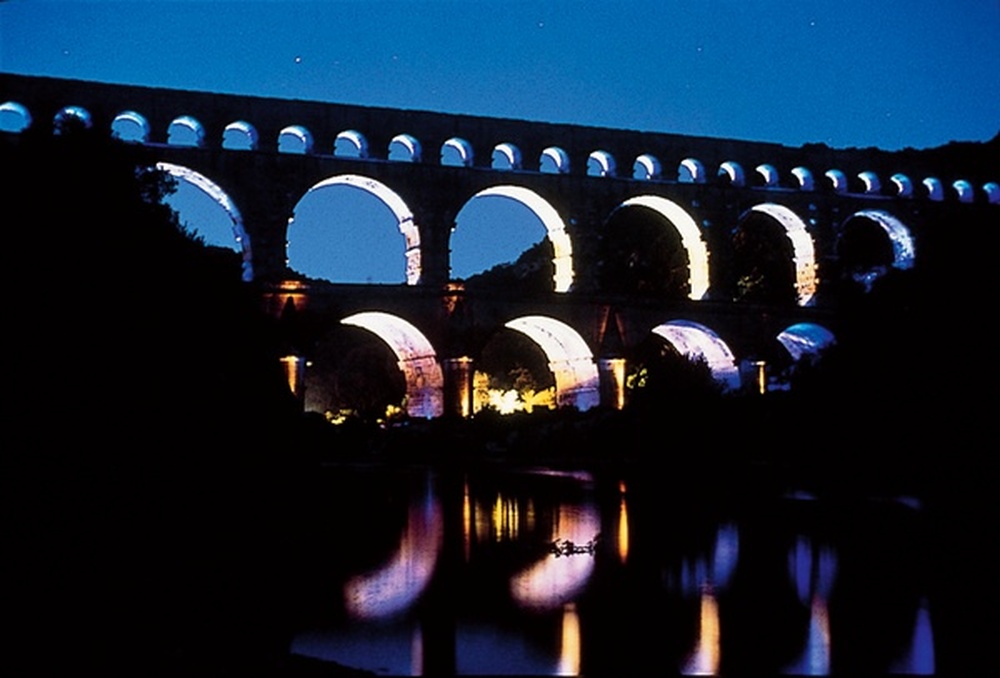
[554,227]
[695,341]
[805,340]
[554,160]
[14,117]
[404,148]
[805,178]
[506,156]
[704,660]
[871,181]
[903,246]
[992,191]
[903,184]
[935,189]
[769,174]
[131,127]
[964,190]
[295,139]
[646,167]
[241,242]
[186,131]
[456,152]
[570,359]
[350,144]
[404,217]
[240,136]
[416,358]
[691,171]
[734,171]
[78,113]
[601,164]
[691,240]
[804,256]
[838,180]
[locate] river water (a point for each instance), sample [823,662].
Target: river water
[535,571]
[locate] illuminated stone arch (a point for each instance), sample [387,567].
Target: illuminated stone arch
[404,148]
[934,188]
[131,127]
[456,152]
[416,359]
[804,178]
[903,184]
[506,156]
[734,172]
[768,175]
[695,341]
[14,117]
[837,179]
[903,246]
[69,116]
[964,190]
[691,239]
[295,139]
[570,359]
[803,248]
[240,136]
[404,217]
[186,131]
[555,229]
[350,144]
[240,241]
[646,168]
[992,191]
[691,171]
[601,164]
[805,340]
[873,185]
[553,160]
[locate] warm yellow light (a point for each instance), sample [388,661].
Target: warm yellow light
[569,648]
[466,521]
[623,531]
[704,661]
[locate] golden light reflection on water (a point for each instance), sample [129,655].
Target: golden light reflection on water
[569,647]
[704,661]
[505,518]
[466,521]
[622,525]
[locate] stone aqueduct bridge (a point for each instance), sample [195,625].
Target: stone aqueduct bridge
[258,157]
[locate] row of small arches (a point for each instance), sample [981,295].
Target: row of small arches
[187,131]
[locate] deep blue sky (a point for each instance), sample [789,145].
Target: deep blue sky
[884,73]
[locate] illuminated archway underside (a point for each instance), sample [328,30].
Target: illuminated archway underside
[555,228]
[693,341]
[904,250]
[404,217]
[804,251]
[570,359]
[690,234]
[212,189]
[805,340]
[416,358]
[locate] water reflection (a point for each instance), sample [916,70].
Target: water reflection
[812,571]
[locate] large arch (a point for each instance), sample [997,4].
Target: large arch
[399,209]
[863,269]
[803,248]
[570,359]
[417,360]
[695,341]
[805,340]
[691,239]
[240,241]
[555,228]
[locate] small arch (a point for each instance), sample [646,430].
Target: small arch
[240,241]
[691,239]
[806,340]
[130,127]
[555,229]
[416,359]
[404,148]
[691,171]
[992,191]
[695,341]
[186,131]
[734,171]
[506,156]
[456,152]
[350,144]
[570,359]
[872,184]
[14,117]
[964,191]
[553,160]
[70,117]
[768,175]
[837,179]
[240,136]
[404,218]
[295,139]
[601,164]
[646,168]
[934,188]
[804,178]
[902,184]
